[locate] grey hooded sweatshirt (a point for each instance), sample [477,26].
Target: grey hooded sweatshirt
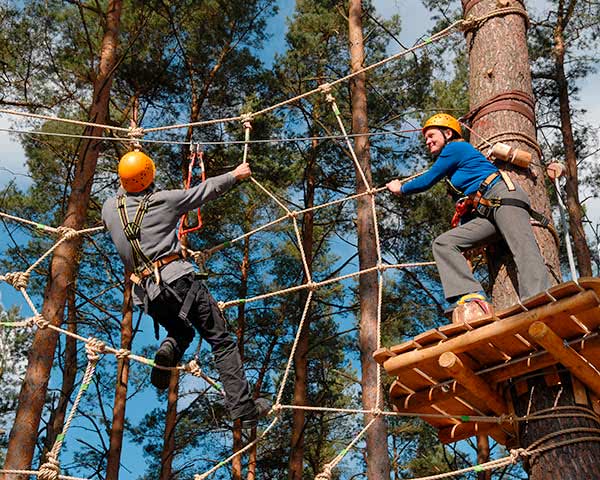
[158,237]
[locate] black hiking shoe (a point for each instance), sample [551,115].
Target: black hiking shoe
[166,356]
[261,408]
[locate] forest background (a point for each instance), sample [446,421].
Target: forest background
[416,21]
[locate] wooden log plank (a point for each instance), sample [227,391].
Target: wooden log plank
[438,394]
[576,364]
[476,385]
[509,326]
[465,430]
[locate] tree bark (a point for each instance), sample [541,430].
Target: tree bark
[582,251]
[57,420]
[168,451]
[118,421]
[483,456]
[64,262]
[378,462]
[499,63]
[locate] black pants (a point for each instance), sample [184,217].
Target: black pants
[205,317]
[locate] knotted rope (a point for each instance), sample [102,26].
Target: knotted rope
[18,280]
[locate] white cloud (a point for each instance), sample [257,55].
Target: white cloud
[12,157]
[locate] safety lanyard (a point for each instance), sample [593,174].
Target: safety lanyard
[195,154]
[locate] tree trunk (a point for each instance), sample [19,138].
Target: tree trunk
[483,456]
[378,462]
[499,63]
[168,451]
[582,251]
[64,261]
[301,356]
[238,442]
[118,421]
[69,374]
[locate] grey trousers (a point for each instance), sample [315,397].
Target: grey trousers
[509,223]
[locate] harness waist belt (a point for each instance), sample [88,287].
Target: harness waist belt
[156,266]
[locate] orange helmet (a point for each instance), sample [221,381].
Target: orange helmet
[443,120]
[136,171]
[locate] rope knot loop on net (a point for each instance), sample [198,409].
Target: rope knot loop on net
[135,133]
[325,474]
[18,280]
[40,321]
[94,348]
[200,257]
[67,233]
[221,305]
[246,119]
[516,454]
[193,368]
[123,353]
[51,469]
[312,286]
[325,88]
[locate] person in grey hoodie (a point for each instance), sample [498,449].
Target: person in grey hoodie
[142,222]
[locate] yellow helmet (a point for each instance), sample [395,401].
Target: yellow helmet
[136,171]
[443,120]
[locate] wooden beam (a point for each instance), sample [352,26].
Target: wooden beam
[461,431]
[576,364]
[476,385]
[508,326]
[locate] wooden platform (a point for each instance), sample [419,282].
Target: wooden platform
[460,369]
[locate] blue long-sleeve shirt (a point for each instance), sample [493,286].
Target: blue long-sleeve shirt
[463,164]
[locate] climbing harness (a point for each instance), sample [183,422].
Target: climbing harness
[143,266]
[195,155]
[485,207]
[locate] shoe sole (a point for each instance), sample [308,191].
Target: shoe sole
[158,377]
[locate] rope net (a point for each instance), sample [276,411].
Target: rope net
[96,349]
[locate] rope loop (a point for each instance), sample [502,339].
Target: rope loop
[193,368]
[221,305]
[325,88]
[94,348]
[51,469]
[40,321]
[516,454]
[123,353]
[67,233]
[18,280]
[325,474]
[200,257]
[246,119]
[135,134]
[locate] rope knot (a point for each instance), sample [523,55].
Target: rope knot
[325,474]
[330,98]
[135,133]
[18,280]
[517,453]
[221,305]
[94,348]
[40,321]
[312,286]
[123,353]
[50,470]
[67,233]
[469,23]
[193,367]
[325,88]
[246,119]
[200,257]
[293,214]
